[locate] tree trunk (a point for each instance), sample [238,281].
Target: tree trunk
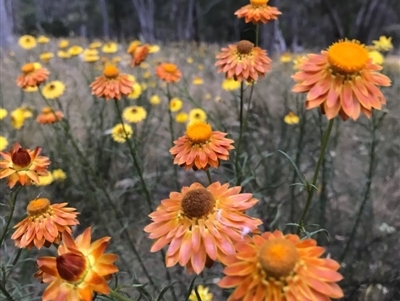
[5,28]
[104,15]
[145,13]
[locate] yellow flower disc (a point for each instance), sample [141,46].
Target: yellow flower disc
[111,71]
[347,57]
[199,132]
[258,2]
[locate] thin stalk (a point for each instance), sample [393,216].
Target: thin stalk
[257,34]
[237,169]
[13,200]
[118,296]
[311,187]
[5,293]
[209,176]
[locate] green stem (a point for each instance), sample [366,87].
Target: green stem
[209,176]
[4,291]
[13,199]
[257,34]
[237,169]
[118,296]
[311,187]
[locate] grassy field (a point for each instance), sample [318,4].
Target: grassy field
[358,182]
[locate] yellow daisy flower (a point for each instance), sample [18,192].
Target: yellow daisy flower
[146,75]
[90,58]
[62,44]
[45,180]
[17,118]
[27,42]
[110,47]
[175,104]
[119,134]
[90,52]
[53,89]
[291,118]
[383,44]
[197,81]
[134,114]
[230,84]
[95,44]
[203,292]
[63,54]
[30,89]
[58,175]
[181,117]
[3,113]
[155,100]
[43,40]
[75,50]
[286,58]
[45,57]
[377,57]
[154,48]
[197,115]
[189,60]
[137,91]
[3,143]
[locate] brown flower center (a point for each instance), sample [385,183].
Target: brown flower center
[170,68]
[21,158]
[134,110]
[71,266]
[197,203]
[38,207]
[52,87]
[258,2]
[28,68]
[278,257]
[244,47]
[111,71]
[199,132]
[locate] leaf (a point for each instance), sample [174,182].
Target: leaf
[294,165]
[190,288]
[164,290]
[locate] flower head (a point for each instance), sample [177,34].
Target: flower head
[291,118]
[198,81]
[121,132]
[3,113]
[230,84]
[23,165]
[53,89]
[45,180]
[136,92]
[63,54]
[243,61]
[49,116]
[285,58]
[32,75]
[44,224]
[273,266]
[43,40]
[155,100]
[95,44]
[112,84]
[27,42]
[258,11]
[62,44]
[203,292]
[383,44]
[175,104]
[110,47]
[19,115]
[200,224]
[80,269]
[58,175]
[181,117]
[45,57]
[341,80]
[168,72]
[3,143]
[139,55]
[75,50]
[134,114]
[201,147]
[154,48]
[196,115]
[376,57]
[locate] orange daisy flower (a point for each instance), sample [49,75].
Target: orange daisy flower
[243,61]
[112,84]
[32,75]
[342,80]
[258,11]
[48,116]
[168,72]
[277,267]
[201,147]
[201,224]
[23,165]
[140,55]
[44,224]
[80,269]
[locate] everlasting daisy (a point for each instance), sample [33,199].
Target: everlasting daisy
[181,117]
[110,47]
[112,84]
[175,104]
[201,224]
[3,143]
[383,44]
[136,92]
[23,165]
[58,175]
[44,224]
[75,50]
[49,116]
[155,100]
[134,114]
[53,89]
[243,61]
[27,42]
[17,118]
[62,44]
[201,147]
[291,118]
[197,114]
[43,40]
[204,293]
[140,55]
[3,113]
[95,44]
[45,180]
[258,11]
[168,72]
[80,269]
[285,58]
[119,134]
[133,46]
[341,80]
[90,58]
[90,52]
[63,54]
[32,75]
[45,57]
[230,84]
[277,267]
[197,81]
[376,57]
[189,60]
[154,48]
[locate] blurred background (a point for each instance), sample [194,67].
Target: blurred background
[304,24]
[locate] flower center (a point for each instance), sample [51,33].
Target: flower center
[71,266]
[258,2]
[21,159]
[38,207]
[199,132]
[244,47]
[347,57]
[197,203]
[46,110]
[52,87]
[111,71]
[278,257]
[134,110]
[28,68]
[170,68]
